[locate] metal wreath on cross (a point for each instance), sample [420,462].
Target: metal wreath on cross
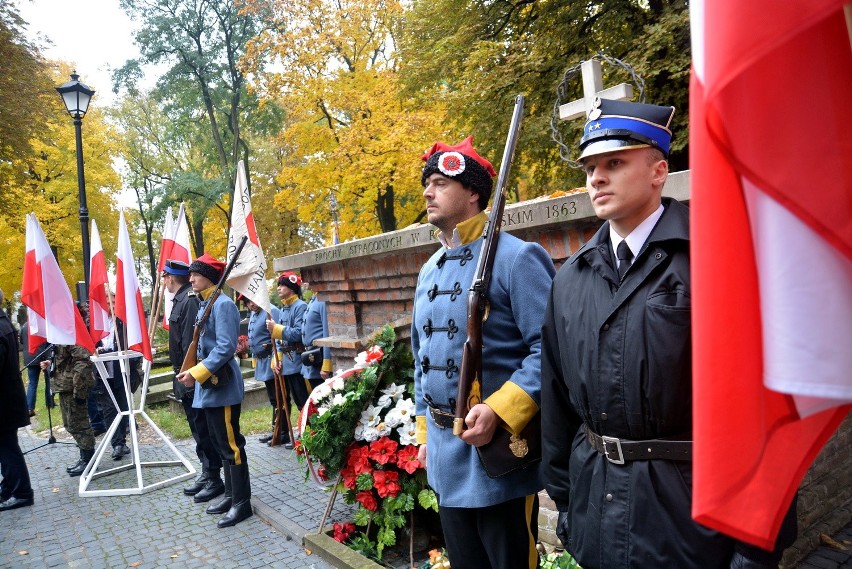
[592,89]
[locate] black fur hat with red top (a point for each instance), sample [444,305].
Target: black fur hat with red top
[463,163]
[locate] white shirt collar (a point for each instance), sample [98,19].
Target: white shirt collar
[454,240]
[638,236]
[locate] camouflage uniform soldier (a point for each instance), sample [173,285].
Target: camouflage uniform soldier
[72,379]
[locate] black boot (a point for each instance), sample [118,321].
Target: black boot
[85,457]
[224,504]
[198,485]
[241,488]
[212,488]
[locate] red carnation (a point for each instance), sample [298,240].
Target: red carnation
[385,482]
[367,500]
[343,531]
[298,447]
[383,450]
[349,476]
[406,459]
[374,354]
[358,457]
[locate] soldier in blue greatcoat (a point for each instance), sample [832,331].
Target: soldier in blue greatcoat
[314,328]
[220,394]
[287,331]
[487,522]
[260,342]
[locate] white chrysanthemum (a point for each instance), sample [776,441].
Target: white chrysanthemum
[361,360]
[321,391]
[370,434]
[338,399]
[383,429]
[359,432]
[371,415]
[322,410]
[394,418]
[337,383]
[391,393]
[406,407]
[407,433]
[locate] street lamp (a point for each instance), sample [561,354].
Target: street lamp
[76,97]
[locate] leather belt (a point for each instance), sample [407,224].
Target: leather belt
[442,419]
[618,451]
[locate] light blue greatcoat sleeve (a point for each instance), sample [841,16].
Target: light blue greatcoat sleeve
[517,295]
[292,317]
[216,348]
[260,341]
[315,327]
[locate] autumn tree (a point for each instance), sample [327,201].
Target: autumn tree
[487,52]
[333,67]
[24,99]
[203,95]
[49,187]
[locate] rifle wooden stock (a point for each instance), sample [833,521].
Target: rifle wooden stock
[470,373]
[505,452]
[191,358]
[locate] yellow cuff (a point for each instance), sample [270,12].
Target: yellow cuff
[420,435]
[200,373]
[327,366]
[513,405]
[278,332]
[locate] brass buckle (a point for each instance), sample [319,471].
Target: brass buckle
[620,459]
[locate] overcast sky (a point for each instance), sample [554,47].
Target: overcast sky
[95,35]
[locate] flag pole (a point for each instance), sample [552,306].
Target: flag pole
[281,400]
[847,10]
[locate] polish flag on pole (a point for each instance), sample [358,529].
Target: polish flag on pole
[248,277]
[179,250]
[100,320]
[53,317]
[168,240]
[128,297]
[180,243]
[771,253]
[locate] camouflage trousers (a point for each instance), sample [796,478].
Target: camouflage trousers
[75,417]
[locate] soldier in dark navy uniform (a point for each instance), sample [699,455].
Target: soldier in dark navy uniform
[616,366]
[209,483]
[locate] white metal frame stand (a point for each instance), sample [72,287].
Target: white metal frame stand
[92,471]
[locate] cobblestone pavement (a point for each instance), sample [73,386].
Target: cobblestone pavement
[161,528]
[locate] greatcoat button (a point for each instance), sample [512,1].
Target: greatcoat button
[609,497]
[606,327]
[603,416]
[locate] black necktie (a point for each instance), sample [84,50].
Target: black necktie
[625,258]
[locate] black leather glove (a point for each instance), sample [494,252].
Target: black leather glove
[563,530]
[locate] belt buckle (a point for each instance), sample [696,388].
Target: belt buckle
[605,439]
[435,413]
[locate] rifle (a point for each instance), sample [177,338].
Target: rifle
[505,452]
[191,358]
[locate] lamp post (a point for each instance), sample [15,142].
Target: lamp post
[76,97]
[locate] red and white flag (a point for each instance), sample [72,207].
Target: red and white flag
[168,240]
[128,297]
[248,277]
[180,242]
[100,319]
[178,250]
[53,316]
[771,253]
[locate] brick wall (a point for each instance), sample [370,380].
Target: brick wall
[370,282]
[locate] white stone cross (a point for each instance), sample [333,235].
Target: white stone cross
[592,89]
